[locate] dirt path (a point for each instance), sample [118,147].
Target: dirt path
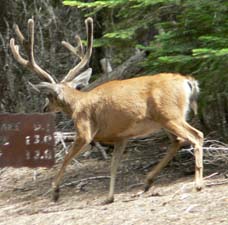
[24,201]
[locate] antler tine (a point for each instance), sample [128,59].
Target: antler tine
[85,59]
[15,48]
[28,46]
[16,54]
[19,34]
[78,50]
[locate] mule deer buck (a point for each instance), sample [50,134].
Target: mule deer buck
[117,110]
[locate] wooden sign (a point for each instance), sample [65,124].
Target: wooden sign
[27,140]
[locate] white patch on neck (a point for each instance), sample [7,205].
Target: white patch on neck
[59,91]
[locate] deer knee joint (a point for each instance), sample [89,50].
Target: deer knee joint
[200,137]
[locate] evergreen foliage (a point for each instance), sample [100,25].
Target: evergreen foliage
[192,36]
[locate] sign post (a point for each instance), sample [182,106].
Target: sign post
[27,140]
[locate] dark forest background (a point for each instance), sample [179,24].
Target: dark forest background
[185,36]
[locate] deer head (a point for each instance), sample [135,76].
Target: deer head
[76,78]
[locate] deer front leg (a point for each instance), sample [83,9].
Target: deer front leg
[117,153]
[76,148]
[84,137]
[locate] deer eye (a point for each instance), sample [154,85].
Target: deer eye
[80,86]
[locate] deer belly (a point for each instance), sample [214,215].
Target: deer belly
[141,129]
[133,130]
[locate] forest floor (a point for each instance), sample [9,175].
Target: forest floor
[171,200]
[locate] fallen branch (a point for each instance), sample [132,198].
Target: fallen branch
[74,183]
[176,193]
[102,150]
[125,70]
[150,165]
[135,185]
[77,182]
[214,152]
[190,208]
[217,183]
[63,137]
[210,176]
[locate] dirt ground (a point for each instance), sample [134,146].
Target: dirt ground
[172,199]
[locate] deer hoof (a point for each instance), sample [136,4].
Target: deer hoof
[148,185]
[199,186]
[55,194]
[108,201]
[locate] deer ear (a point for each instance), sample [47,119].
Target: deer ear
[82,80]
[47,88]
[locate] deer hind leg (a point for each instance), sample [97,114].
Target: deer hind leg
[173,148]
[198,153]
[76,148]
[186,132]
[116,158]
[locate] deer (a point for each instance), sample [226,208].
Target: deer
[115,111]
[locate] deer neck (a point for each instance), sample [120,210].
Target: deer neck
[70,99]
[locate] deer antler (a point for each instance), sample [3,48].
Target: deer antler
[79,51]
[28,45]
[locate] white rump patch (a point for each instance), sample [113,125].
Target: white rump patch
[188,93]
